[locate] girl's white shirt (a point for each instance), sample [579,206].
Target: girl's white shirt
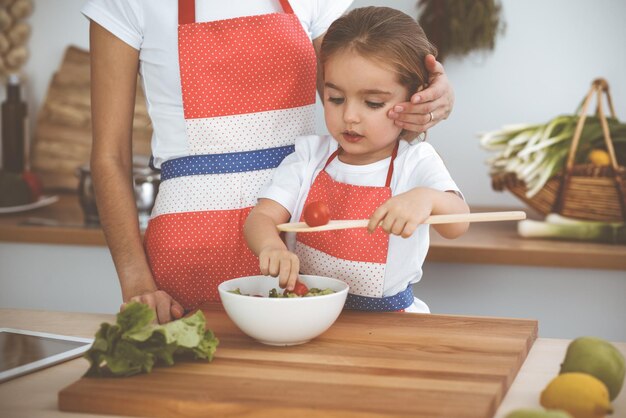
[416,165]
[151,26]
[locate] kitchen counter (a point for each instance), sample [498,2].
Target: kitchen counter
[484,243]
[35,395]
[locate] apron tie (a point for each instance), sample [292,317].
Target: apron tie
[393,303]
[234,162]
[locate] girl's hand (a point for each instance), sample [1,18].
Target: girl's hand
[402,214]
[436,100]
[166,308]
[282,263]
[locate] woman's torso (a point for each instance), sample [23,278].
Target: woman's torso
[151,26]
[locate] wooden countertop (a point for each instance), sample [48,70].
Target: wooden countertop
[35,395]
[485,243]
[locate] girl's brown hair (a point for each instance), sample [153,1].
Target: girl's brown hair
[386,35]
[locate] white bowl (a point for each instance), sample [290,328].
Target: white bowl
[282,321]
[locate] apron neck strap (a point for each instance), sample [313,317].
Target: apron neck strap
[187,10]
[286,6]
[394,154]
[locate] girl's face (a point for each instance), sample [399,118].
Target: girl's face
[358,93]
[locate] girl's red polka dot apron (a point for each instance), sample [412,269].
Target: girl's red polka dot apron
[352,255]
[248,87]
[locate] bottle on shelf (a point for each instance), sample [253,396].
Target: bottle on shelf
[13,125]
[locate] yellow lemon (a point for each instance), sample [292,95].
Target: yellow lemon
[580,394]
[599,157]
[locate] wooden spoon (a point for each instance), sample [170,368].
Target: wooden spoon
[432,220]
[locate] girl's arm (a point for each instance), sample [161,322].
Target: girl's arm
[264,240]
[402,214]
[114,67]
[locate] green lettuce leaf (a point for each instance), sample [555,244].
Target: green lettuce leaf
[135,344]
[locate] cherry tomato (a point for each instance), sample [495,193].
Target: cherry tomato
[299,289]
[316,213]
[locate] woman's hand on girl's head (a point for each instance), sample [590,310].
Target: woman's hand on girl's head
[429,106]
[281,263]
[165,307]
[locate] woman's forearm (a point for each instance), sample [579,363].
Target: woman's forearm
[113,90]
[120,223]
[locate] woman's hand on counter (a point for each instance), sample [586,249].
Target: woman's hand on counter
[167,309]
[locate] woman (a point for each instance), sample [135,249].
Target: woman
[228,89]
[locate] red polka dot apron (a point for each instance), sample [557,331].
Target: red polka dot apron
[248,87]
[352,255]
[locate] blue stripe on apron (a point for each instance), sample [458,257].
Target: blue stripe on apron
[235,162]
[393,303]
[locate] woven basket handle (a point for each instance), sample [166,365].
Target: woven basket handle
[598,86]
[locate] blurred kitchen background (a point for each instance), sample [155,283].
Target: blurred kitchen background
[541,67]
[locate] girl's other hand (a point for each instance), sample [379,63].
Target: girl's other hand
[166,308]
[402,214]
[281,263]
[437,100]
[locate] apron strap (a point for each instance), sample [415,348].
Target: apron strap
[187,10]
[286,6]
[394,154]
[332,156]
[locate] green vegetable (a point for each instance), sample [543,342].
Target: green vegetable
[274,293]
[314,291]
[135,344]
[460,27]
[560,227]
[537,152]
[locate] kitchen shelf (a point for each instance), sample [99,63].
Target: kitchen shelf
[484,243]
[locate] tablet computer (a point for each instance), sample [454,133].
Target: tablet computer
[24,351]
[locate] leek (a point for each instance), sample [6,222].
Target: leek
[535,153]
[560,227]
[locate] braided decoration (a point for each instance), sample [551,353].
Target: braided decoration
[14,33]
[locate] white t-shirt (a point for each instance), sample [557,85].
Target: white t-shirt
[416,165]
[151,26]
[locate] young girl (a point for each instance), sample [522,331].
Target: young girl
[372,59]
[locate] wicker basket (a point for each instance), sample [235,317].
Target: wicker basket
[581,191]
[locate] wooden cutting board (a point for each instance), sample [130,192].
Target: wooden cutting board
[366,365]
